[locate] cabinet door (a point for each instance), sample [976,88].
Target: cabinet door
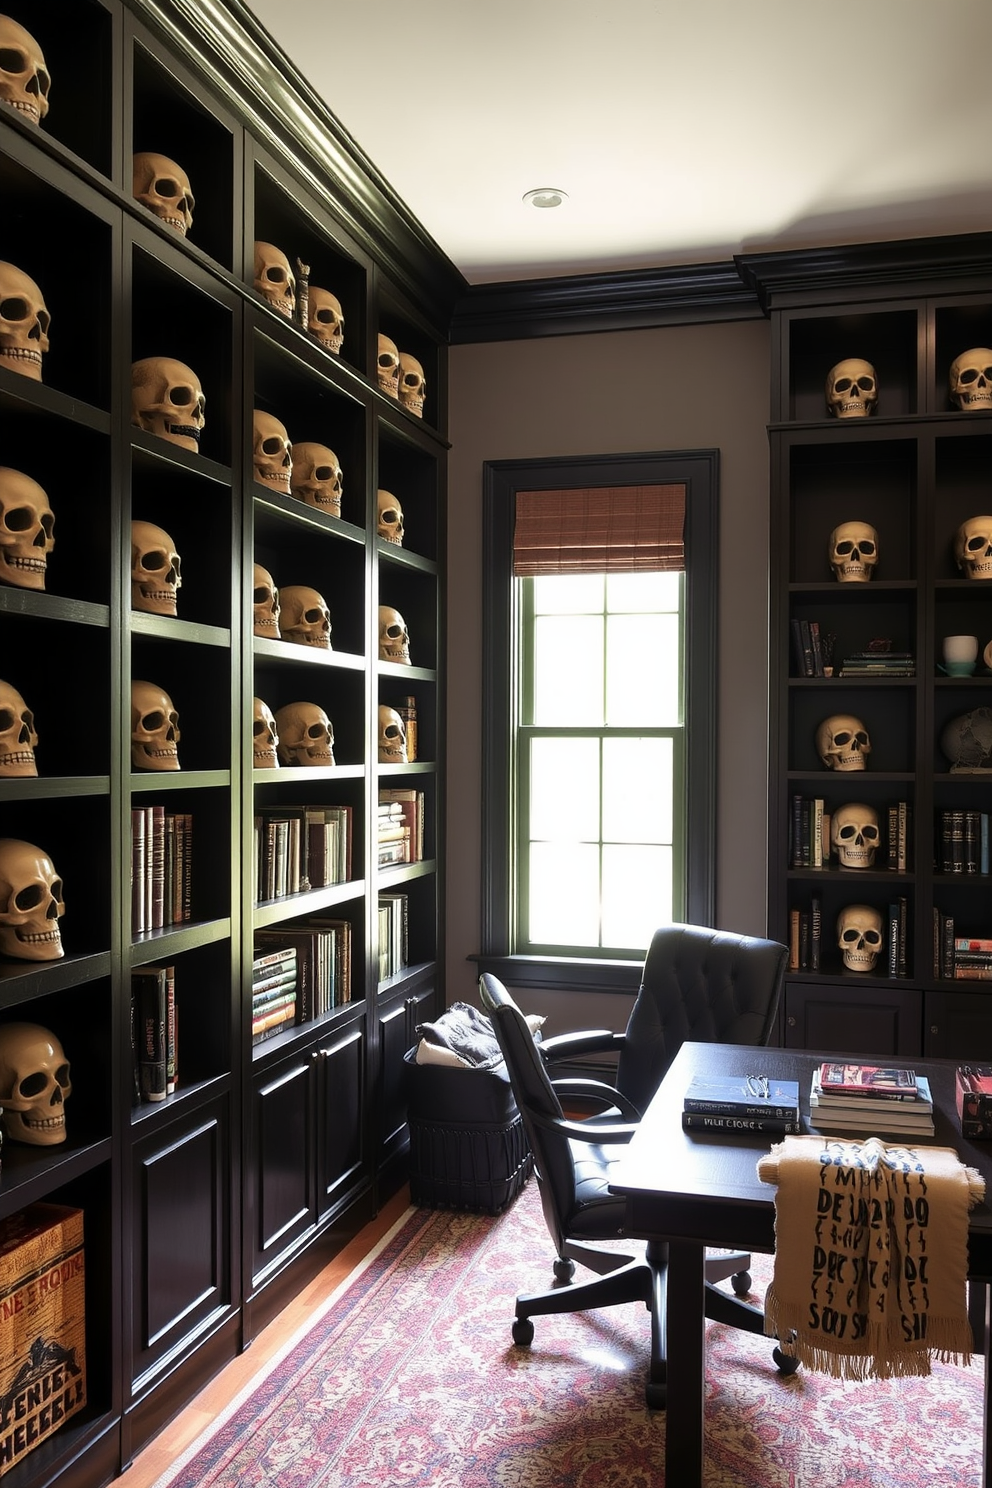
[284,1183]
[342,1136]
[958,1025]
[875,1020]
[181,1234]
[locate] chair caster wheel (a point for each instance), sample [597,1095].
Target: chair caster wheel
[741,1283]
[656,1395]
[785,1363]
[564,1269]
[523,1331]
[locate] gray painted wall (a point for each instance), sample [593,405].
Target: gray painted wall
[677,388]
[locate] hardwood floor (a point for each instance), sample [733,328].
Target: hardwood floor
[174,1438]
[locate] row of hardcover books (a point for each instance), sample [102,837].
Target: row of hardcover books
[394,948]
[960,958]
[807,938]
[809,834]
[301,847]
[400,826]
[963,841]
[309,962]
[161,868]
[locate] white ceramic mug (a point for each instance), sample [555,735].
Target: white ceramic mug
[961,648]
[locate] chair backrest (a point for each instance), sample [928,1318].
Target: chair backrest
[536,1097]
[699,984]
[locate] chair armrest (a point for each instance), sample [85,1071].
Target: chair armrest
[592,1134]
[584,1041]
[598,1090]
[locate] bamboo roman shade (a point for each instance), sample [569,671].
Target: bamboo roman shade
[600,529]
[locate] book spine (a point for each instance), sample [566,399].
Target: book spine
[755,1110]
[698,1121]
[171,1032]
[815,932]
[152,1032]
[138,922]
[158,867]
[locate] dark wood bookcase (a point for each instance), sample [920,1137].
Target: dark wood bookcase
[203,1210]
[914,470]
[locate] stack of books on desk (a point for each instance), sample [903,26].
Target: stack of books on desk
[871,1100]
[743,1103]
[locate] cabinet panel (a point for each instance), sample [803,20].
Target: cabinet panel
[876,1021]
[285,1200]
[958,1025]
[343,1133]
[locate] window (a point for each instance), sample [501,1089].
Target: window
[599,703]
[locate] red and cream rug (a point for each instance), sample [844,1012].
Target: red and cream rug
[408,1378]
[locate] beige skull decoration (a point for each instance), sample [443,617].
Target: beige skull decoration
[274,279]
[316,477]
[842,742]
[27,530]
[970,380]
[973,548]
[388,367]
[265,602]
[412,384]
[853,552]
[392,737]
[271,452]
[167,400]
[34,1084]
[305,617]
[18,737]
[326,319]
[163,187]
[31,902]
[264,736]
[154,728]
[854,834]
[24,322]
[859,936]
[306,735]
[390,519]
[852,391]
[394,638]
[155,570]
[24,79]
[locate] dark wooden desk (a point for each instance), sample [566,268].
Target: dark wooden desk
[695,1190]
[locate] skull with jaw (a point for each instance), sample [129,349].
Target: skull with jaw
[274,279]
[18,737]
[25,81]
[859,936]
[155,570]
[842,742]
[265,603]
[854,834]
[388,367]
[304,617]
[34,1084]
[265,737]
[973,548]
[306,735]
[316,477]
[394,638]
[167,400]
[271,452]
[392,737]
[31,903]
[163,187]
[390,519]
[852,391]
[24,322]
[412,384]
[853,552]
[970,380]
[27,530]
[154,728]
[326,319]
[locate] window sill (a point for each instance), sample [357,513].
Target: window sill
[571,973]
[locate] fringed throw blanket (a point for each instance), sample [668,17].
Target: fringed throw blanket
[871,1251]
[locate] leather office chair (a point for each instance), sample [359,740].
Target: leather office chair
[573,1158]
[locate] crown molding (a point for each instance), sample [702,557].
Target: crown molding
[224,42]
[911,265]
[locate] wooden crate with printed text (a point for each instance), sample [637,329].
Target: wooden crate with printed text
[42,1326]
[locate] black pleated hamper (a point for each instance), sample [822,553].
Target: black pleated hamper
[467,1144]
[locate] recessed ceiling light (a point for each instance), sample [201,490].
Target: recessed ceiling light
[545,196]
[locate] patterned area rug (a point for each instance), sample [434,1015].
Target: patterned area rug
[408,1377]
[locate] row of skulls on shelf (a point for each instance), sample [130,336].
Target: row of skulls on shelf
[302,734]
[852,387]
[300,614]
[853,549]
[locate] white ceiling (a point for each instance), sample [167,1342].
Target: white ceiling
[683,133]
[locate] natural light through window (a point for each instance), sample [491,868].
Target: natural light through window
[600,760]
